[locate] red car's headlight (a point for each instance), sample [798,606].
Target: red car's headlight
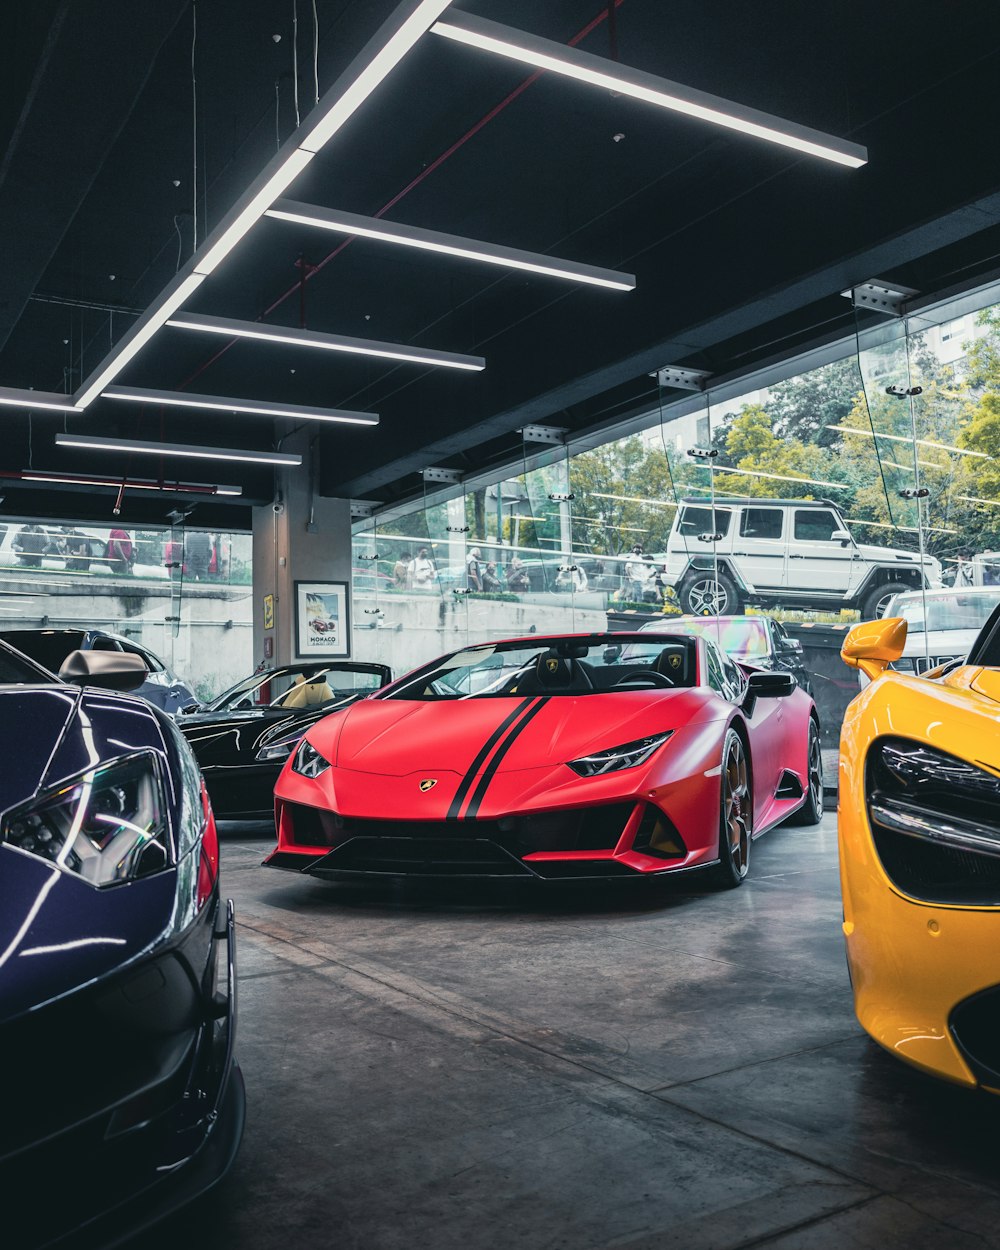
[308,762]
[631,755]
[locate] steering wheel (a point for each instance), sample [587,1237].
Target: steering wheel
[653,678]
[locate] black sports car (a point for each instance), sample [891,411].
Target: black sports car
[122,1099]
[242,739]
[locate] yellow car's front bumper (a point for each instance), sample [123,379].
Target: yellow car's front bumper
[915,964]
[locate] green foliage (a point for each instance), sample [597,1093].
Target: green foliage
[805,406]
[623,495]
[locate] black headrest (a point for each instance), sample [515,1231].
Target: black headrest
[672,662]
[554,670]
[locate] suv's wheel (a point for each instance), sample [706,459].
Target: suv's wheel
[876,601]
[705,594]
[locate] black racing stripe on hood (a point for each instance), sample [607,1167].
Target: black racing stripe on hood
[477,763]
[480,792]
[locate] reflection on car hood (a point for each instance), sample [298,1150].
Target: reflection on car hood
[393,737]
[56,931]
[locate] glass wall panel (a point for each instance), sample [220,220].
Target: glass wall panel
[180,597]
[813,501]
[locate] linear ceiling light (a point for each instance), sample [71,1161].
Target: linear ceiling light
[115,483]
[904,529]
[989,503]
[449,244]
[900,438]
[656,503]
[86,442]
[774,477]
[220,403]
[329,342]
[137,337]
[15,397]
[518,45]
[393,40]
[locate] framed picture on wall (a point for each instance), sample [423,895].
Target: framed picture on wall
[322,621]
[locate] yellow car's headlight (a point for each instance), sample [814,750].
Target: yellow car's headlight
[935,820]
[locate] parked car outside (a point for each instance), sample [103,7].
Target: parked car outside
[756,641]
[793,552]
[951,625]
[50,647]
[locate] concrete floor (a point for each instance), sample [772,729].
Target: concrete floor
[629,1066]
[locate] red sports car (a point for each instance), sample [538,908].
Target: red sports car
[593,755]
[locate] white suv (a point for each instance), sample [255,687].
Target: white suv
[788,552]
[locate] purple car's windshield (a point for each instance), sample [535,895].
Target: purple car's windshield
[554,666]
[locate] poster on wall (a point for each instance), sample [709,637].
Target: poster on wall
[322,626]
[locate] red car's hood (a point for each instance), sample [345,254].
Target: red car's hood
[395,737]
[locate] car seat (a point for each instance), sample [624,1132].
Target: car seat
[674,663]
[553,673]
[307,693]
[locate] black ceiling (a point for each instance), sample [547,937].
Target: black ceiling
[740,248]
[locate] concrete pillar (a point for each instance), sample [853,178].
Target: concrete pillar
[302,537]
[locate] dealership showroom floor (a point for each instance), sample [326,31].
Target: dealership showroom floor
[489,459]
[631,1065]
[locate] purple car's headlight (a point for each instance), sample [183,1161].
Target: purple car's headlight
[108,825]
[308,762]
[630,755]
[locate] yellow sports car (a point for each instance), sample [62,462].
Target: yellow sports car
[920,853]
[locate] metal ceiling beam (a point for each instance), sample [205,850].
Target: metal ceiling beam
[377,477]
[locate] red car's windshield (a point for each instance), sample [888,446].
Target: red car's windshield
[554,666]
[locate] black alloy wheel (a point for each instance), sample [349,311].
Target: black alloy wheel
[736,816]
[811,811]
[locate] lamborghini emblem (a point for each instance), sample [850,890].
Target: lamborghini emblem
[552,665]
[674,661]
[428,783]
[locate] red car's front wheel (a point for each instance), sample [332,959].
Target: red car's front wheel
[736,814]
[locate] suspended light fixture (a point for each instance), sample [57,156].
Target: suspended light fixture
[327,342]
[87,442]
[394,39]
[115,483]
[775,477]
[900,438]
[447,244]
[15,397]
[253,407]
[518,45]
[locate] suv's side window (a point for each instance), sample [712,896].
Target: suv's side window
[761,523]
[695,521]
[816,525]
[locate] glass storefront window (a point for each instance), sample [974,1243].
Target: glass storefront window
[179,597]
